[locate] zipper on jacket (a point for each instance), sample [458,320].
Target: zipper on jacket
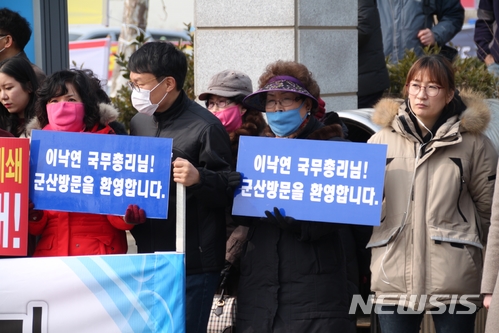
[459,164]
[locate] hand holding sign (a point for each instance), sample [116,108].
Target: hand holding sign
[284,222]
[234,179]
[184,172]
[135,215]
[34,215]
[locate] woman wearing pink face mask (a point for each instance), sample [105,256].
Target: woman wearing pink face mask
[224,95]
[68,102]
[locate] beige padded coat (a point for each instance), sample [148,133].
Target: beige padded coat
[491,267]
[436,207]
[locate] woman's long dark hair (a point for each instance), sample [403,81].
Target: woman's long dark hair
[55,86]
[22,71]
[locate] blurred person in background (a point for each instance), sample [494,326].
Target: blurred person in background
[15,32]
[486,35]
[410,24]
[18,86]
[373,76]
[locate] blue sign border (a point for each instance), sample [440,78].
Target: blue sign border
[261,159]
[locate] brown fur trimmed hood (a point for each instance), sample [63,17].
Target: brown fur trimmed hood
[474,119]
[108,113]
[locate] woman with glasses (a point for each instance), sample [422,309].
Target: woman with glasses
[223,97]
[69,102]
[427,253]
[293,273]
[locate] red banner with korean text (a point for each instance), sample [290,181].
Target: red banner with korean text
[14,198]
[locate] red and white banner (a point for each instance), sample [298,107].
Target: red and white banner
[14,184]
[91,54]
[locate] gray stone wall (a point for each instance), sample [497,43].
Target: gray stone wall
[249,34]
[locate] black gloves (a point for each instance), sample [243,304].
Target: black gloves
[134,215]
[284,222]
[225,273]
[234,179]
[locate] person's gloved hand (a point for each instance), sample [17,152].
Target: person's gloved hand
[225,273]
[33,214]
[234,179]
[134,215]
[284,222]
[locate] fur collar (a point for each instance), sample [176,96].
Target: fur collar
[108,113]
[474,119]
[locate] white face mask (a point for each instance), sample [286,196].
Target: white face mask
[4,46]
[141,100]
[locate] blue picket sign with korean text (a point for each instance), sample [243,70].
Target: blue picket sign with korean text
[310,180]
[99,173]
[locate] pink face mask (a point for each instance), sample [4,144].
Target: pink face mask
[66,116]
[231,118]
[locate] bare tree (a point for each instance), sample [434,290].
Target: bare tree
[134,22]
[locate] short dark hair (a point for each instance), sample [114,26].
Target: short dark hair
[161,59]
[55,86]
[20,70]
[13,24]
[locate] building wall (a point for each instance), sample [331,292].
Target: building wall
[249,34]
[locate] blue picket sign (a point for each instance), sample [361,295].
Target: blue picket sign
[322,181]
[101,174]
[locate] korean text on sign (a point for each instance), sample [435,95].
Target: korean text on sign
[100,173]
[14,185]
[320,181]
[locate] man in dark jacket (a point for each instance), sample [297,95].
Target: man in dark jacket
[373,75]
[201,162]
[486,36]
[15,33]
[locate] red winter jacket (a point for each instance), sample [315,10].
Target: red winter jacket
[73,234]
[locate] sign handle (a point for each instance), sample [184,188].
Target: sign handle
[181,198]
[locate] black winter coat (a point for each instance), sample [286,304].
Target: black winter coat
[373,75]
[295,283]
[199,137]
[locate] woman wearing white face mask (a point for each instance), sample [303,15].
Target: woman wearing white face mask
[68,102]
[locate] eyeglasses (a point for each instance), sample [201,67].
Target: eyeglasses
[135,87]
[431,90]
[220,104]
[270,104]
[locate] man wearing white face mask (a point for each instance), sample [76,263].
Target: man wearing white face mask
[15,33]
[201,162]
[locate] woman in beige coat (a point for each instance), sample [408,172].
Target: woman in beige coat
[440,172]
